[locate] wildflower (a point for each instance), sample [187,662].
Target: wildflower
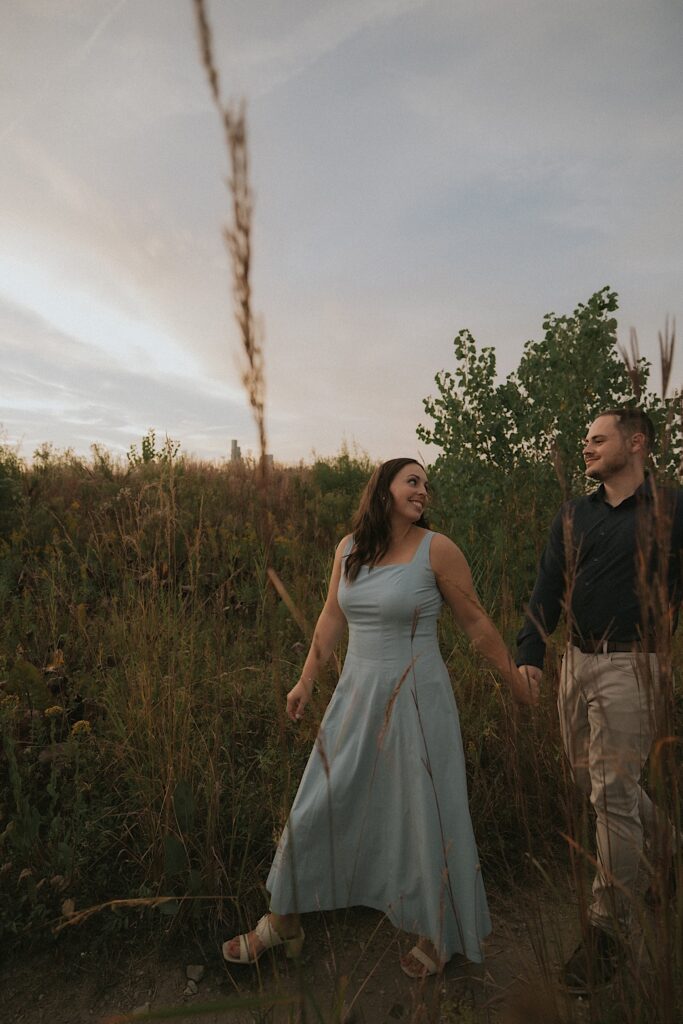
[57,663]
[81,728]
[54,711]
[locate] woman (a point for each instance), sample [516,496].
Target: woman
[381,817]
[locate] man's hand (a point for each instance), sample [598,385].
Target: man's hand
[533,677]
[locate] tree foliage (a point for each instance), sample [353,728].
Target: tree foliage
[10,489]
[511,449]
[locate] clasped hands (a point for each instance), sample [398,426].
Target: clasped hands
[532,676]
[527,692]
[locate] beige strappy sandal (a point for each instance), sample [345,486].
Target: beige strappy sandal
[269,939]
[426,970]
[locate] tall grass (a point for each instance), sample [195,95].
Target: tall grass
[137,601]
[238,233]
[152,587]
[144,657]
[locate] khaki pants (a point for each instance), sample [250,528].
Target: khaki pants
[606,704]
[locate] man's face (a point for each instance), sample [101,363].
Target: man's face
[605,451]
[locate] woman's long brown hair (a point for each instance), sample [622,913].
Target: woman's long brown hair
[371,524]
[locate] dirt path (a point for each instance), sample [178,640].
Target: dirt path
[354,953]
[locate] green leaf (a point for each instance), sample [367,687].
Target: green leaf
[66,856]
[27,682]
[184,806]
[175,857]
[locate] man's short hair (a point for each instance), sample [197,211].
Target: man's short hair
[633,421]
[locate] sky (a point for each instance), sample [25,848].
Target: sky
[418,166]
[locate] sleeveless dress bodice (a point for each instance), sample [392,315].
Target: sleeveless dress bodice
[392,610]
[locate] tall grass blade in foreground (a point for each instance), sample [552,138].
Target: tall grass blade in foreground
[238,236]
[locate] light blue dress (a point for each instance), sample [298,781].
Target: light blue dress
[381,818]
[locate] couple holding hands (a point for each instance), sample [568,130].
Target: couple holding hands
[381,817]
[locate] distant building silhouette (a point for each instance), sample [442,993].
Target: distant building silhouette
[236,454]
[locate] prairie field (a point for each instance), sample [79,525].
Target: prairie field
[154,615]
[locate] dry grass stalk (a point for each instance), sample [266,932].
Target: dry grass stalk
[238,236]
[632,363]
[667,344]
[295,612]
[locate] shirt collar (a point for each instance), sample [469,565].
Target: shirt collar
[642,492]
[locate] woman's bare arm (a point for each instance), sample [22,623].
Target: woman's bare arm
[327,634]
[454,580]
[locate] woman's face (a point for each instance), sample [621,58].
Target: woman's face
[409,492]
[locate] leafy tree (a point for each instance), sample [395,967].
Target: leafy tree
[150,454]
[511,450]
[11,469]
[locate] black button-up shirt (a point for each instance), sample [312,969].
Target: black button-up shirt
[601,564]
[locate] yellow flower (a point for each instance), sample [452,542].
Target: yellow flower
[81,728]
[54,711]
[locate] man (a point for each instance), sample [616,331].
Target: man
[605,555]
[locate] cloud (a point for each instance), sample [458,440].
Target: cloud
[273,50]
[55,386]
[121,271]
[418,168]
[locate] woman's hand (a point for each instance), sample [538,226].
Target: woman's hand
[328,632]
[454,580]
[524,685]
[297,699]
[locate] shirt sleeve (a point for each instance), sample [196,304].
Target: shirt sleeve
[545,604]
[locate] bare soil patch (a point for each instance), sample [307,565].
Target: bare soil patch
[350,958]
